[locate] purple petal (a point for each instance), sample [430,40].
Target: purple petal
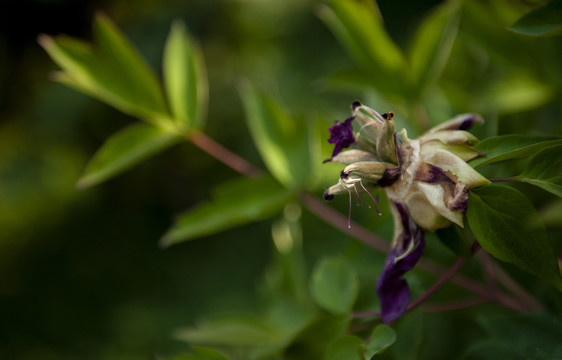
[392,288]
[341,135]
[467,123]
[459,122]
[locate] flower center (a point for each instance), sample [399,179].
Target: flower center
[402,186]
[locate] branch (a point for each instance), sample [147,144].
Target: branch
[336,219]
[222,154]
[527,301]
[333,217]
[442,281]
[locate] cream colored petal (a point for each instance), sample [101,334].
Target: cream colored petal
[455,165]
[368,121]
[423,212]
[465,152]
[337,189]
[371,171]
[398,227]
[435,194]
[451,137]
[352,156]
[386,149]
[457,123]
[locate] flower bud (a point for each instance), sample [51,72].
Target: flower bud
[353,156]
[370,171]
[369,121]
[386,147]
[459,122]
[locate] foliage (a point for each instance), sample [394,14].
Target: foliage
[315,295]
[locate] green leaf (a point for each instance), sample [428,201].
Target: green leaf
[432,44]
[507,147]
[545,170]
[185,78]
[346,347]
[124,149]
[235,203]
[381,338]
[551,214]
[521,336]
[518,91]
[458,239]
[230,330]
[282,142]
[200,353]
[334,285]
[496,216]
[544,21]
[112,71]
[312,341]
[359,27]
[411,335]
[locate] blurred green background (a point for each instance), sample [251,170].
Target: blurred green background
[81,275]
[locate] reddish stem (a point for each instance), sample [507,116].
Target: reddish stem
[333,217]
[222,154]
[442,281]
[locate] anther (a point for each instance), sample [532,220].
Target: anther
[388,115]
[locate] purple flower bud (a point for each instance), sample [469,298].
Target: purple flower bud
[341,135]
[392,288]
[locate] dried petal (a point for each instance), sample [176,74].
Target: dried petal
[386,147]
[392,288]
[370,171]
[369,121]
[341,135]
[465,152]
[455,165]
[459,122]
[451,137]
[353,156]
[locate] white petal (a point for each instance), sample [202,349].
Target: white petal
[465,152]
[456,123]
[452,163]
[351,156]
[423,212]
[435,194]
[451,137]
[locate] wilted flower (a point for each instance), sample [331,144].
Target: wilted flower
[426,181]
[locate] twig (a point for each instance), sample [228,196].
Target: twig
[442,281]
[339,221]
[222,154]
[333,217]
[527,301]
[455,305]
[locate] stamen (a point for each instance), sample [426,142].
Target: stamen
[359,197]
[374,201]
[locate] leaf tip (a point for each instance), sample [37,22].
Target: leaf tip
[84,182]
[165,242]
[44,40]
